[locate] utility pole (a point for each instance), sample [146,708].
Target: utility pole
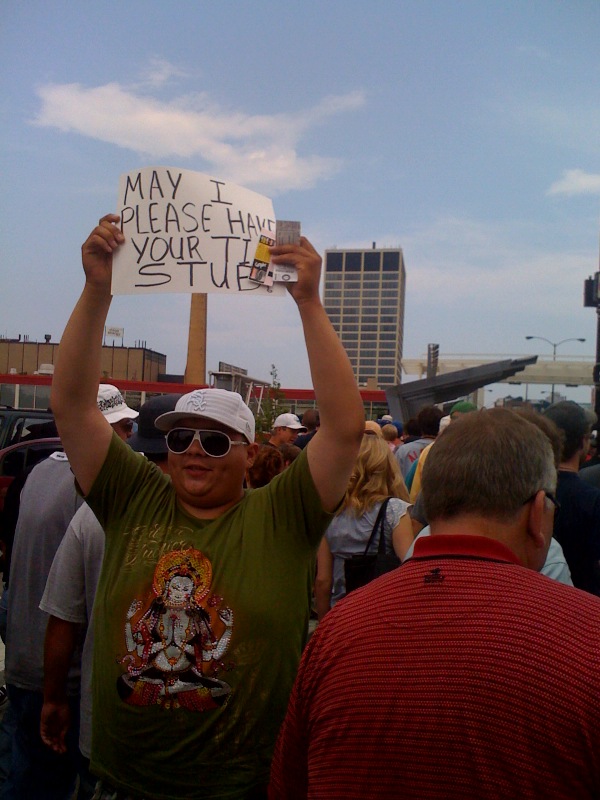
[195,369]
[591,299]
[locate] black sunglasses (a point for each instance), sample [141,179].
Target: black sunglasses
[214,443]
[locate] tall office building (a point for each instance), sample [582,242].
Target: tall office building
[364,298]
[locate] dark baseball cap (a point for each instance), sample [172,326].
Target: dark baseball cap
[147,438]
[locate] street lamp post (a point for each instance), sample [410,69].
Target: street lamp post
[554,345]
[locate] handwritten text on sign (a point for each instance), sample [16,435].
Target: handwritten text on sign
[188,232]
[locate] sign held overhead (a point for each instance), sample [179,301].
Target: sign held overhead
[188,232]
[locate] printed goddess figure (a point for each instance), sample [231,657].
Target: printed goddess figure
[172,642]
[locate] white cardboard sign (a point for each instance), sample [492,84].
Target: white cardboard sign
[187,232]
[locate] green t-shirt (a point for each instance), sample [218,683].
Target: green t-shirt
[199,626]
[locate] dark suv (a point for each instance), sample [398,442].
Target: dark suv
[26,437]
[18,424]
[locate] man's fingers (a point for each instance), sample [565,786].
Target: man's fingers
[110,231]
[109,218]
[308,245]
[106,235]
[303,247]
[55,743]
[297,255]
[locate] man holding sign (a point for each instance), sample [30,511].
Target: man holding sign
[202,606]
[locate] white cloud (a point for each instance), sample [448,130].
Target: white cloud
[252,149]
[160,72]
[576,181]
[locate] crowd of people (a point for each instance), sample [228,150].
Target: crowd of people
[163,581]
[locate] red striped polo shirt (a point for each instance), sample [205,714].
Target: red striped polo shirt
[460,675]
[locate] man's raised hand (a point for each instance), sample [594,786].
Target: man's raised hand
[97,251]
[307,261]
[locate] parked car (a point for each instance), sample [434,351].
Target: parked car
[18,424]
[17,458]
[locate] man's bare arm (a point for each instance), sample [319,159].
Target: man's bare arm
[59,646]
[84,431]
[332,451]
[324,579]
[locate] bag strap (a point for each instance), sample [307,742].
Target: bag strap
[379,525]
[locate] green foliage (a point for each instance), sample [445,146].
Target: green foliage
[270,408]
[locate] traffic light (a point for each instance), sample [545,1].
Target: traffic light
[590,291]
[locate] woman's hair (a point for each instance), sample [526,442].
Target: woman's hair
[289,452]
[267,464]
[376,475]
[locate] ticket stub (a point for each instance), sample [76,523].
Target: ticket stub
[287,232]
[262,270]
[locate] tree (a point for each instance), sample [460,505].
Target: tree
[270,406]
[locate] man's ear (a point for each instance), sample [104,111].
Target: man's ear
[535,521]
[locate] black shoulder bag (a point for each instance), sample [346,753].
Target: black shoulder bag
[362,568]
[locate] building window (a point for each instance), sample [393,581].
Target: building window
[391,261]
[353,262]
[334,262]
[372,261]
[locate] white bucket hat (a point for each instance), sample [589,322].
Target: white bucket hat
[111,404]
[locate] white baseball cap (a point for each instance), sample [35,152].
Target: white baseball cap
[111,404]
[289,421]
[218,405]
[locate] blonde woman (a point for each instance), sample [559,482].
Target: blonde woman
[376,476]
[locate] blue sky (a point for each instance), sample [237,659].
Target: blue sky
[468,133]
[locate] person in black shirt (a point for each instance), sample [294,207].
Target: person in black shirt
[577,524]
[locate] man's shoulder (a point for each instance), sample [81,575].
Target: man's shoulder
[416,444]
[406,447]
[591,476]
[571,485]
[475,572]
[85,522]
[53,467]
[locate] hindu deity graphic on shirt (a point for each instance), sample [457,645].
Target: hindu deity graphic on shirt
[176,644]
